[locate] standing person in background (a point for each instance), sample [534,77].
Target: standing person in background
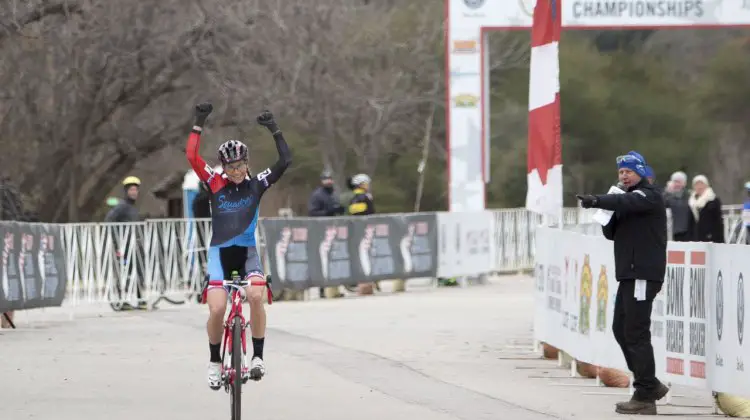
[125,212]
[325,203]
[677,197]
[639,230]
[361,203]
[707,222]
[746,213]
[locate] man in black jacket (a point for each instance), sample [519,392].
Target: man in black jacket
[323,201]
[126,212]
[639,229]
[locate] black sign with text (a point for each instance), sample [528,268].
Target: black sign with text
[332,251]
[32,266]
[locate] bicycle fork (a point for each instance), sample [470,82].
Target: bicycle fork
[227,373]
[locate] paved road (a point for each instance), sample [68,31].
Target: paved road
[428,354]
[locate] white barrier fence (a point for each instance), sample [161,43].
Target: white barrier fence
[105,261]
[698,318]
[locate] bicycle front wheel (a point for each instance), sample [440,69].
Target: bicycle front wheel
[236,386]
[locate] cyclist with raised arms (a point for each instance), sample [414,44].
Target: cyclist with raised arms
[235,199]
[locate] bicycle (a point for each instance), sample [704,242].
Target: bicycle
[233,374]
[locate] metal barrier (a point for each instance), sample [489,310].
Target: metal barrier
[167,257]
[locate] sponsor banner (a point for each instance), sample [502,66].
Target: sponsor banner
[32,266]
[289,253]
[465,245]
[698,318]
[680,311]
[576,289]
[394,247]
[728,347]
[467,14]
[332,251]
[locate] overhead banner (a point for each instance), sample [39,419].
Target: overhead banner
[32,266]
[332,251]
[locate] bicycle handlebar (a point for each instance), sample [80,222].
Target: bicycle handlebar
[240,285]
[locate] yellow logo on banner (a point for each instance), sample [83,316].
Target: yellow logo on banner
[586,285]
[465,101]
[465,46]
[602,287]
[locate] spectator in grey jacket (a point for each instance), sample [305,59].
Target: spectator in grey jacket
[125,212]
[676,197]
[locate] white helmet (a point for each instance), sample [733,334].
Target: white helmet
[360,179]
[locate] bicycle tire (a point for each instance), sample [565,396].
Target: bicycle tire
[114,295]
[236,386]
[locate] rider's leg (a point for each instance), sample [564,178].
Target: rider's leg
[256,297]
[216,297]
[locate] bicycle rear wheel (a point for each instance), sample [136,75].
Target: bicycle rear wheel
[235,389]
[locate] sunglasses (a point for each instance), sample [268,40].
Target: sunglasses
[628,159]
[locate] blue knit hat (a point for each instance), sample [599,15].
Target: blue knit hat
[633,161]
[649,172]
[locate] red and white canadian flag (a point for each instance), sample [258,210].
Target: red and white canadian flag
[544,176]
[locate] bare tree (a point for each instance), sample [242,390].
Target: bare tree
[95,86]
[352,75]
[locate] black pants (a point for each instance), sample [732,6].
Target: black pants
[632,330]
[681,237]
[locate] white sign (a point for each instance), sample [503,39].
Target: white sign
[698,318]
[465,247]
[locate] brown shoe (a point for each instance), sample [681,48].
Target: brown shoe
[636,407]
[661,392]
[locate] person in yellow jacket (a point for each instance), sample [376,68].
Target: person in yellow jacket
[361,203]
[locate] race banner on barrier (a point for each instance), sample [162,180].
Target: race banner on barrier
[32,266]
[698,318]
[728,346]
[681,309]
[465,243]
[332,251]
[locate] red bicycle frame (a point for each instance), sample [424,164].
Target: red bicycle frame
[238,297]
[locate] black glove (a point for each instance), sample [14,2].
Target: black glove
[266,120]
[202,112]
[588,201]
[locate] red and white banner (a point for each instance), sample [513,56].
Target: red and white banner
[544,163]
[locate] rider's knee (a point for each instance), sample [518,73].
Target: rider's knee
[217,304]
[217,311]
[255,295]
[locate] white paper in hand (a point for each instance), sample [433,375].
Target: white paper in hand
[604,216]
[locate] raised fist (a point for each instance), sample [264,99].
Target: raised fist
[202,112]
[266,119]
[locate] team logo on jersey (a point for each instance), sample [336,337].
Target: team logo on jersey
[232,206]
[263,175]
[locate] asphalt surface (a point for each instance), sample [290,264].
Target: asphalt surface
[427,354]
